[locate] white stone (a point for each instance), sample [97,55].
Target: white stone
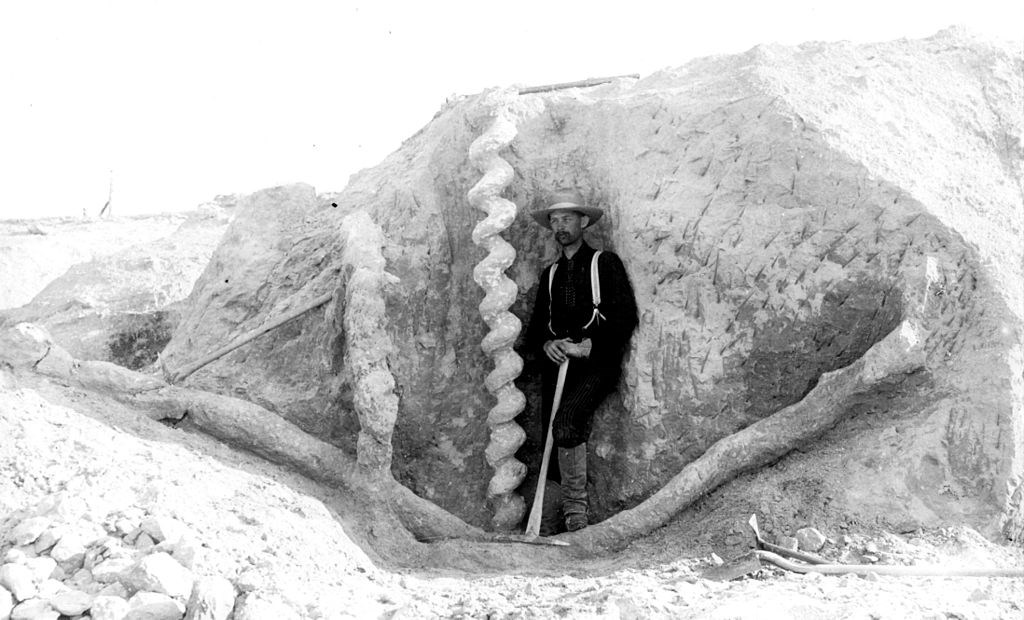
[70,550]
[29,530]
[787,542]
[71,602]
[212,598]
[186,552]
[125,526]
[50,588]
[111,569]
[108,608]
[144,541]
[161,573]
[154,606]
[810,539]
[6,603]
[47,539]
[34,609]
[16,555]
[162,529]
[114,589]
[17,578]
[41,568]
[81,578]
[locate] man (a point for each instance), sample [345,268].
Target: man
[568,325]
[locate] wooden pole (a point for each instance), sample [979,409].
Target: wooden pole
[536,511]
[578,84]
[180,375]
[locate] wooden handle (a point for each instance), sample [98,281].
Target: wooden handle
[181,374]
[533,523]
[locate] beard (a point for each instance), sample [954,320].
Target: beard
[564,238]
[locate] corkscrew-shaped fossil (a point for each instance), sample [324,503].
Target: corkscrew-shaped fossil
[506,436]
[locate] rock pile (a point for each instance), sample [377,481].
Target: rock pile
[132,565]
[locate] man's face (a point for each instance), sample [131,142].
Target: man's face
[568,226]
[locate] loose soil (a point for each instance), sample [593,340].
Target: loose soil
[262,526]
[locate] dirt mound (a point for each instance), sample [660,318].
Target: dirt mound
[779,212]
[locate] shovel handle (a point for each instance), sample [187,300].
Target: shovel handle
[533,523]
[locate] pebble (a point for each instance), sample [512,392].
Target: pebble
[161,573]
[50,588]
[186,553]
[108,608]
[144,541]
[71,602]
[41,567]
[110,570]
[29,530]
[124,526]
[47,539]
[15,555]
[810,539]
[6,602]
[162,529]
[34,609]
[787,542]
[82,577]
[154,606]
[69,551]
[114,589]
[17,578]
[212,598]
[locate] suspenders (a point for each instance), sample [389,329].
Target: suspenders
[595,291]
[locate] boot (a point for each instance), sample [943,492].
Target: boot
[573,464]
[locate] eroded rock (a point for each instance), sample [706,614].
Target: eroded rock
[771,233]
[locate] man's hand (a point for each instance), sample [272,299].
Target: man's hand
[560,350]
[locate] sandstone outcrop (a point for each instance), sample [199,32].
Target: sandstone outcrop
[779,211]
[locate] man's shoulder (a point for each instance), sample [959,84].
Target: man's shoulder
[609,257]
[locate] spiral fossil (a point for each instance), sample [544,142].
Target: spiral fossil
[500,292]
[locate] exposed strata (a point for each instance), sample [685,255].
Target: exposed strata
[774,230]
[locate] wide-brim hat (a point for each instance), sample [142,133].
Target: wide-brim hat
[566,201]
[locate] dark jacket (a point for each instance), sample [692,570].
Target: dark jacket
[572,308]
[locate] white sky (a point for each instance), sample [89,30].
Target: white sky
[183,100]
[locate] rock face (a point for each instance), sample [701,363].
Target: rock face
[778,211]
[116,306]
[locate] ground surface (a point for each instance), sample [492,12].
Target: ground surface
[263,527]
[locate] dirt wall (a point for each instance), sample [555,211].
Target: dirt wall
[772,230]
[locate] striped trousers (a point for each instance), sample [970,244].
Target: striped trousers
[585,388]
